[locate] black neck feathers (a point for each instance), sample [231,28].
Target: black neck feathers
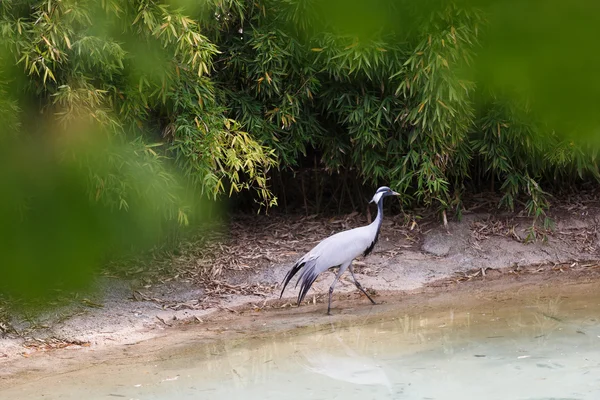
[378,221]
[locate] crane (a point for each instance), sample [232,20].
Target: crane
[339,250]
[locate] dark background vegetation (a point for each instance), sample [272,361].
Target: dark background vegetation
[123,121]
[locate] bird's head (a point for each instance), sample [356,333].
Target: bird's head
[382,192]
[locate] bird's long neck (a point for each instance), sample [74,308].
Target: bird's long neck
[374,228]
[379,218]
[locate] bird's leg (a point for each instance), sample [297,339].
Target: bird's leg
[337,277]
[358,285]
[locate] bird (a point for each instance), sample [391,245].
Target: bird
[339,250]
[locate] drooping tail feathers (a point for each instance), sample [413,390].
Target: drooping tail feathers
[307,277]
[290,275]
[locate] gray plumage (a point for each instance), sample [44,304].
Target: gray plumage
[338,250]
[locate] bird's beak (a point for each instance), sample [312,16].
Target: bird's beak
[395,194]
[371,201]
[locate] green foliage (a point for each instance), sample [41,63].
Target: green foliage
[118,116]
[228,90]
[111,132]
[140,72]
[66,207]
[395,102]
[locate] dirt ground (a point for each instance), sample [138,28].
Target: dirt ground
[415,264]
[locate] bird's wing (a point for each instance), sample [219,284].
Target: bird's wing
[342,247]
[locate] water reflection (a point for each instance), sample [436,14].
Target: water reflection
[348,367]
[514,350]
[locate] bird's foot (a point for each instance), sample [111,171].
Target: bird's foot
[369,297]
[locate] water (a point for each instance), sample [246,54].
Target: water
[531,350]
